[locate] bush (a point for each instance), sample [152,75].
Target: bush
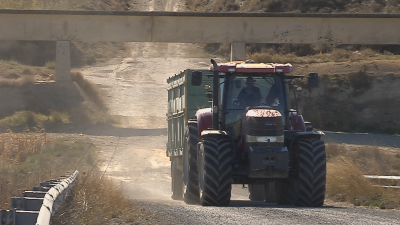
[360,80]
[90,89]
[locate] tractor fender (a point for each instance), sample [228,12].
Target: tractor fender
[220,133]
[186,129]
[297,122]
[204,120]
[310,134]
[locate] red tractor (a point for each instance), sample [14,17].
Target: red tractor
[249,135]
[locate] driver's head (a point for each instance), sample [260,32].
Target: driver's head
[250,81]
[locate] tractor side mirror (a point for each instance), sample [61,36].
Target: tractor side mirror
[313,80]
[197,77]
[238,83]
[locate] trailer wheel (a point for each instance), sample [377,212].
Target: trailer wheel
[190,176]
[308,188]
[270,192]
[215,171]
[257,192]
[285,191]
[177,180]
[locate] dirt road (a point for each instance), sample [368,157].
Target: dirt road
[134,153]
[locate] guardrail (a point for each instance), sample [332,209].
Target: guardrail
[386,181]
[37,206]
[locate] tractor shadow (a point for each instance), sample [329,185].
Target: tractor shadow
[261,204]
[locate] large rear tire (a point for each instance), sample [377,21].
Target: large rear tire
[215,171]
[308,188]
[177,180]
[191,190]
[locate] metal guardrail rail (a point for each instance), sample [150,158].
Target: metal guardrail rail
[394,181]
[37,206]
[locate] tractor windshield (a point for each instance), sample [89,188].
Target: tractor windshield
[251,90]
[264,89]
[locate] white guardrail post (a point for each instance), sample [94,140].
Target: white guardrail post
[37,206]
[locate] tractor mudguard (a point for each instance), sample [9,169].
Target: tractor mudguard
[297,122]
[207,133]
[204,120]
[292,136]
[310,134]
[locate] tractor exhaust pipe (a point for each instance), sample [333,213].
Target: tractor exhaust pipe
[215,109]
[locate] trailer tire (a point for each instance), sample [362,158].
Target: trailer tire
[285,191]
[215,171]
[308,188]
[176,180]
[191,192]
[257,192]
[270,192]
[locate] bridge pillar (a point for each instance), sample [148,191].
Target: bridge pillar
[238,51]
[63,62]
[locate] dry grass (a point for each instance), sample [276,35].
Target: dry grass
[16,176]
[32,119]
[90,89]
[66,4]
[99,201]
[345,182]
[299,6]
[28,158]
[14,74]
[337,55]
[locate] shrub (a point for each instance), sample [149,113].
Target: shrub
[90,89]
[360,80]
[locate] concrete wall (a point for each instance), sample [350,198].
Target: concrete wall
[200,27]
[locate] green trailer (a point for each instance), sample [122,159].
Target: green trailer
[184,100]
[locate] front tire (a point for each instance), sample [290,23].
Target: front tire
[215,171]
[308,188]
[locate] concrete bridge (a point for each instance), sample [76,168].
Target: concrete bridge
[187,27]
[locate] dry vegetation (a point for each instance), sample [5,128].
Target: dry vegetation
[90,89]
[297,6]
[28,158]
[66,4]
[16,176]
[345,182]
[32,119]
[98,201]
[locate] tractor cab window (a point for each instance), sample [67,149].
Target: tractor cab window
[247,91]
[259,90]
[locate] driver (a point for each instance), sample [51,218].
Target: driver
[249,95]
